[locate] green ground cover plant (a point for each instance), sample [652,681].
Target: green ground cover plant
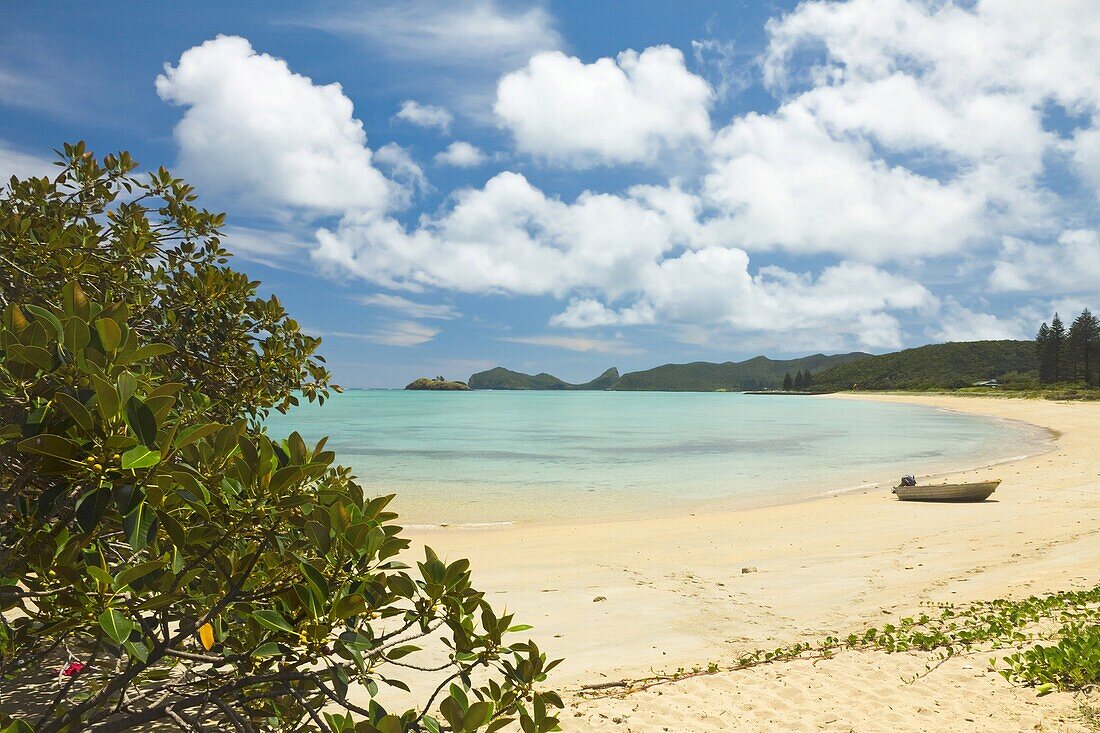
[1068,622]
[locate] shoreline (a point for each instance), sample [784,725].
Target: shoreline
[674,594]
[793,494]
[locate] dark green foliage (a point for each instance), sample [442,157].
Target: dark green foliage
[501,378]
[788,383]
[439,384]
[202,573]
[757,373]
[1042,349]
[1073,663]
[799,381]
[141,241]
[1083,347]
[1069,356]
[1053,362]
[938,366]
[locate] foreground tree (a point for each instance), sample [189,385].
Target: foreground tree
[162,559]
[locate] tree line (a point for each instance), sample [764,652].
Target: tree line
[1071,355]
[801,381]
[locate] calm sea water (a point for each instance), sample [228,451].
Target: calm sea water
[487,457]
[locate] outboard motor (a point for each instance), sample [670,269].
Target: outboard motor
[908,480]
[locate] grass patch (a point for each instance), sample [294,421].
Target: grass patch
[1061,633]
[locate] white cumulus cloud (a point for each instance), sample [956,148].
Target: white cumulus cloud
[1071,265]
[612,111]
[622,251]
[425,115]
[255,129]
[461,154]
[931,115]
[784,182]
[962,324]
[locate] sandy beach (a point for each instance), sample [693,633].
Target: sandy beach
[627,599]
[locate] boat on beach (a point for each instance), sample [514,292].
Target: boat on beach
[978,491]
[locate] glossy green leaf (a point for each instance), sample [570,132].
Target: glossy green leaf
[267,649]
[76,302]
[137,650]
[196,433]
[18,725]
[76,410]
[127,385]
[91,506]
[148,351]
[117,626]
[273,620]
[106,397]
[140,526]
[36,356]
[109,334]
[49,445]
[129,575]
[50,318]
[140,419]
[140,457]
[77,335]
[477,715]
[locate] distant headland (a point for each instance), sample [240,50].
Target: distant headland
[936,366]
[439,383]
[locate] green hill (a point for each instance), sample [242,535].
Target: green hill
[501,378]
[607,380]
[937,366]
[757,373]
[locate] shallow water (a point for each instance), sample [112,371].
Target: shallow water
[487,457]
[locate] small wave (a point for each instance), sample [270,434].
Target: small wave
[988,464]
[846,489]
[460,525]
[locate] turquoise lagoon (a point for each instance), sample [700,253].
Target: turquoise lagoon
[481,458]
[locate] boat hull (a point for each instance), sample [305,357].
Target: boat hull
[948,492]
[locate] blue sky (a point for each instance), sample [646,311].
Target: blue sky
[437,188]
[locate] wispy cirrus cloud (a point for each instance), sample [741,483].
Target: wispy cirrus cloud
[453,51]
[23,165]
[410,308]
[403,333]
[393,333]
[577,343]
[470,32]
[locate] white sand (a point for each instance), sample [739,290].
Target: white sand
[675,596]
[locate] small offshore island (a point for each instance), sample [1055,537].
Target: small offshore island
[439,383]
